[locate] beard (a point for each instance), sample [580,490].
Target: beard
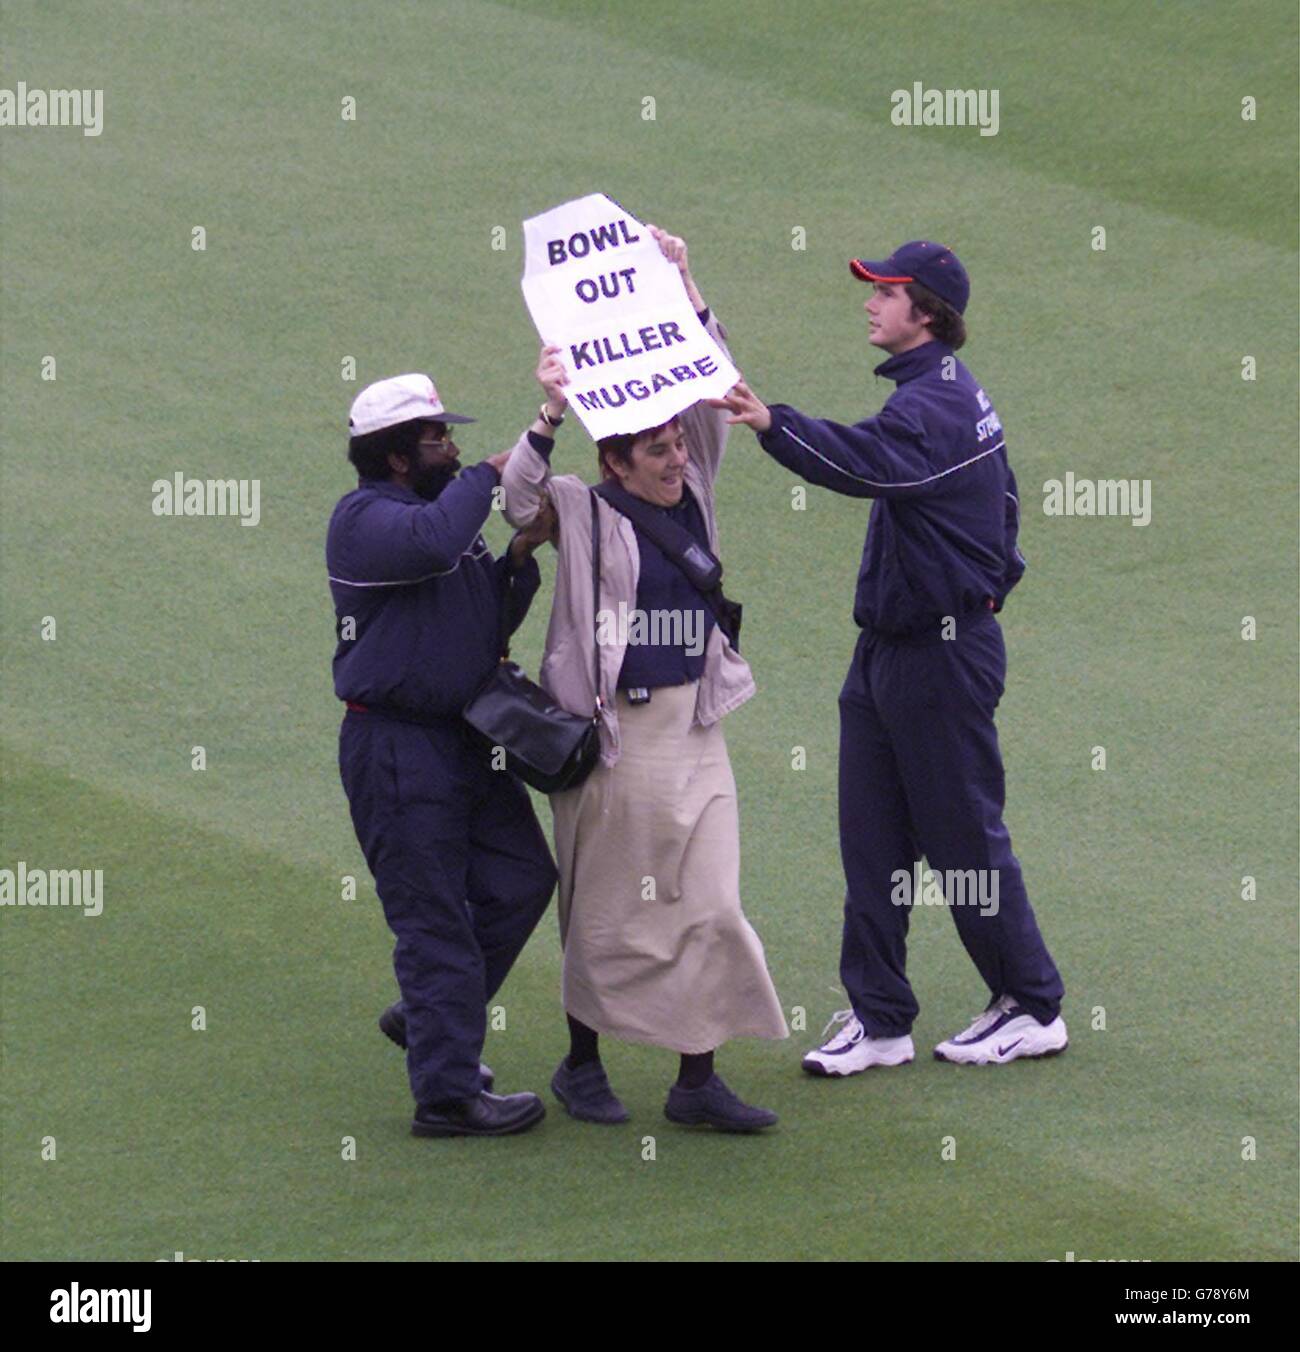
[429,481]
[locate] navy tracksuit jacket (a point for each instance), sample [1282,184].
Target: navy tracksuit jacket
[460,862]
[920,769]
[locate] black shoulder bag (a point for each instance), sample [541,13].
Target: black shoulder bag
[702,568]
[546,746]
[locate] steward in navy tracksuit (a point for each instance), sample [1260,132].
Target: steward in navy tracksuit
[920,770]
[460,862]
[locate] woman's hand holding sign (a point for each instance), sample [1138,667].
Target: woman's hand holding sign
[552,378]
[673,248]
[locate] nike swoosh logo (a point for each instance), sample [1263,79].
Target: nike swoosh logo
[1002,1051]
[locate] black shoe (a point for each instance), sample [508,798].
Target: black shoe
[585,1093]
[485,1115]
[714,1105]
[392,1024]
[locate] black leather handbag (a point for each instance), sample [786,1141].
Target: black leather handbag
[545,745]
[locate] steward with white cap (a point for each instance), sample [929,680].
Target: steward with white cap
[460,863]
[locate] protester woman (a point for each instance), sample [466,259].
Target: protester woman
[656,947]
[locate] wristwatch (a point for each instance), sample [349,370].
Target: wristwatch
[547,419]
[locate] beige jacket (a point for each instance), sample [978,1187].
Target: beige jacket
[569,660]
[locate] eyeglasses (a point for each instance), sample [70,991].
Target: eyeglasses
[443,443]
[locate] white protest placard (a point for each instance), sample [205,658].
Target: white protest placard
[597,286]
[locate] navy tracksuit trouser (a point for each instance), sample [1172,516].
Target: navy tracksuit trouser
[921,774]
[464,874]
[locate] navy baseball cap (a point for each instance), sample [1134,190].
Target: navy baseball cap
[932,265]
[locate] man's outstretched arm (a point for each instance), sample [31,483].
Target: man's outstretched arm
[880,457]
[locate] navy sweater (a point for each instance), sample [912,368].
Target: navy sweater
[941,538]
[662,586]
[423,593]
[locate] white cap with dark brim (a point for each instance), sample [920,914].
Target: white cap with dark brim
[396,400]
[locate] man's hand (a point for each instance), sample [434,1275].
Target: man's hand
[673,248]
[745,407]
[552,379]
[498,461]
[544,526]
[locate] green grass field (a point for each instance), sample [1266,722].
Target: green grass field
[372,239]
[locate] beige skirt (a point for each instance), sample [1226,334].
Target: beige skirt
[656,947]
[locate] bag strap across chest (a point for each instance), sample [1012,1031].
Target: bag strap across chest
[700,566]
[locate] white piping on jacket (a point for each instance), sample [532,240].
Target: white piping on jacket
[411,581]
[874,483]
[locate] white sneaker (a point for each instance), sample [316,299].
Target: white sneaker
[851,1051]
[1004,1032]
